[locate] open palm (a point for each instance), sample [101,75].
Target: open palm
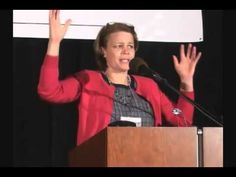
[57,30]
[185,67]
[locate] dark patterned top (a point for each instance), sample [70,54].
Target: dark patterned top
[129,104]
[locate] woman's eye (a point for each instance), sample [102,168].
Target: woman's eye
[118,46]
[131,46]
[121,46]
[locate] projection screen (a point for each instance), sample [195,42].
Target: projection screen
[150,25]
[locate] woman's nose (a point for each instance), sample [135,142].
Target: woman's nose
[125,49]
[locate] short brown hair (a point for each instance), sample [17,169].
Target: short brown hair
[102,38]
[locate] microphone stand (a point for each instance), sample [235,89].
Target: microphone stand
[158,78]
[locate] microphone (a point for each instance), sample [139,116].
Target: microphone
[122,124]
[139,66]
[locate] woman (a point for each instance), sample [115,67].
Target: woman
[111,94]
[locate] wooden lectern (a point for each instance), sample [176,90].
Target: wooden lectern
[138,147]
[212,147]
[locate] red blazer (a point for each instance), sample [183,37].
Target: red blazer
[95,97]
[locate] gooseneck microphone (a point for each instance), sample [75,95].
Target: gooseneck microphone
[140,67]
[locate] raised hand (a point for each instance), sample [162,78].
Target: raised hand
[57,31]
[185,67]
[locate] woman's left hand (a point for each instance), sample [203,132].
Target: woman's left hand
[185,67]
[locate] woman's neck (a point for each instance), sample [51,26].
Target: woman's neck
[117,78]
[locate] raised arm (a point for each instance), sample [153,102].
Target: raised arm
[185,67]
[50,88]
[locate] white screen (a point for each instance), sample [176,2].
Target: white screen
[150,25]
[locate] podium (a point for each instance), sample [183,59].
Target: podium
[212,147]
[138,147]
[149,147]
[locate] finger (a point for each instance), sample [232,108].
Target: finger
[182,53]
[54,14]
[189,50]
[195,60]
[67,24]
[175,60]
[198,56]
[193,54]
[58,15]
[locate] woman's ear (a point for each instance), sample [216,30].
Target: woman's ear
[103,52]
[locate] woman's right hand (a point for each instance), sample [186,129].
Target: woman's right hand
[56,30]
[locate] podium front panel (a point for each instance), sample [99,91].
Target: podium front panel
[213,147]
[152,147]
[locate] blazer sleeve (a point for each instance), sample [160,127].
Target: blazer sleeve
[51,89]
[185,118]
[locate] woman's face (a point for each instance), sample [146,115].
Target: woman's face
[119,51]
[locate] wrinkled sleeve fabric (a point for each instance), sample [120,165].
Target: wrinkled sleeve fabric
[51,89]
[185,118]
